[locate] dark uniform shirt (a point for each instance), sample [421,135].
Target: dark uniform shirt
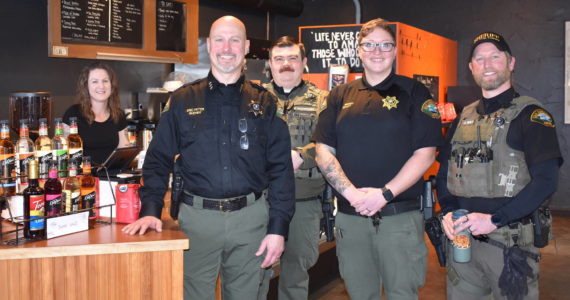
[539,144]
[202,125]
[376,129]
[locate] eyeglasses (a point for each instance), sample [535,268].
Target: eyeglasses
[383,46]
[243,141]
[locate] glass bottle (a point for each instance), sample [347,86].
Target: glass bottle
[75,143]
[88,195]
[34,204]
[7,162]
[59,149]
[24,154]
[72,191]
[53,190]
[43,151]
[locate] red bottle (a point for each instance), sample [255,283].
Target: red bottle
[53,188]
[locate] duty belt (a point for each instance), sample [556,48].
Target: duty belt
[308,173]
[222,205]
[308,199]
[390,209]
[395,208]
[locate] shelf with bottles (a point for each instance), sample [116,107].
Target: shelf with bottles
[31,210]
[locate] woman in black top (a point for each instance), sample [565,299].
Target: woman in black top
[101,122]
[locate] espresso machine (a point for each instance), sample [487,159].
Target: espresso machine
[30,106]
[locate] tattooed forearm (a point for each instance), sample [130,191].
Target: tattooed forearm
[331,169]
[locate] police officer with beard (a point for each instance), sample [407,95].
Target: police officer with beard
[500,163]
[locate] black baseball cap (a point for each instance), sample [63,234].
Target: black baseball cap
[490,37]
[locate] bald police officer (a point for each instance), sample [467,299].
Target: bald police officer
[233,149]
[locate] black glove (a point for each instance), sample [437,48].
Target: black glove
[513,281]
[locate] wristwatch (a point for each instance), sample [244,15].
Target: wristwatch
[387,193]
[496,220]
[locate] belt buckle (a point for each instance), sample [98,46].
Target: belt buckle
[221,205]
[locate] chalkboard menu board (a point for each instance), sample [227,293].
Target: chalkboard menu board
[327,45]
[103,22]
[170,24]
[163,31]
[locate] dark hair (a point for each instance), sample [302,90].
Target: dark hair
[114,102]
[369,26]
[287,41]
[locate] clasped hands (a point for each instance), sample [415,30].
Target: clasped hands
[367,201]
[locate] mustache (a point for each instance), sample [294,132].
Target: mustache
[286,69]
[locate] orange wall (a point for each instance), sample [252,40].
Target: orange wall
[419,52]
[424,53]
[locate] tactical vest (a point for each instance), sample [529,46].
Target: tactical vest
[300,111]
[481,163]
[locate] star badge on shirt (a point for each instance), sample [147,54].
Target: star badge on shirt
[390,102]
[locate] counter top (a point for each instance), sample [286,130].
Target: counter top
[103,239]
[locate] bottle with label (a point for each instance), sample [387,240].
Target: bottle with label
[24,154]
[75,143]
[7,162]
[88,195]
[34,205]
[43,151]
[53,190]
[72,191]
[59,150]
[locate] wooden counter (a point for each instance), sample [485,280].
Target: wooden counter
[102,263]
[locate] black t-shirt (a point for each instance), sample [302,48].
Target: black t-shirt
[376,129]
[99,138]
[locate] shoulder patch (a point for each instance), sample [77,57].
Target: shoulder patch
[429,107]
[542,117]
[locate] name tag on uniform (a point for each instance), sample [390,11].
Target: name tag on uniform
[195,111]
[468,122]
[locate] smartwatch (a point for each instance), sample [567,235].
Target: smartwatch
[496,220]
[387,193]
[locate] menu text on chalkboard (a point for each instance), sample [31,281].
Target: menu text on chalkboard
[102,22]
[170,26]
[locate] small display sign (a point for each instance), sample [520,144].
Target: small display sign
[67,224]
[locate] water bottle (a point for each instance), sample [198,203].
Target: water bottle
[462,240]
